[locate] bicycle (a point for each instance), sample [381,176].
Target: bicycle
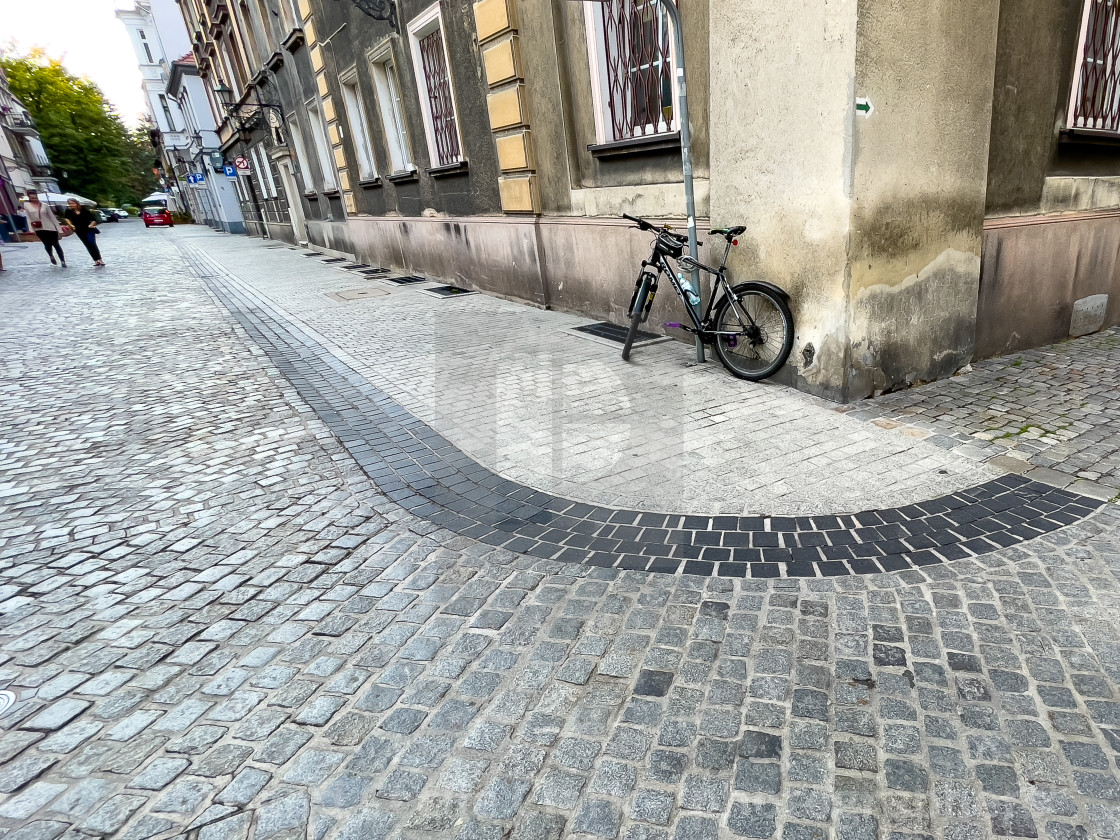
[750,326]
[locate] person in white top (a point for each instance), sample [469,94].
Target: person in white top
[44,224]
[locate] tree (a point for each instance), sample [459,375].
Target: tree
[91,150]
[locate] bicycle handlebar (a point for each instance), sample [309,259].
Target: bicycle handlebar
[662,229]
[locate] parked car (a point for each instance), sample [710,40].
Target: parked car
[118,212]
[103,216]
[160,216]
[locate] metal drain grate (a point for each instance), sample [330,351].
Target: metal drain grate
[334,260]
[613,332]
[406,279]
[357,267]
[448,291]
[312,254]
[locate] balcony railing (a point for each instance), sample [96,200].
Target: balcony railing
[1095,99]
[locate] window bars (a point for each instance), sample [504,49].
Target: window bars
[638,63]
[438,83]
[1095,99]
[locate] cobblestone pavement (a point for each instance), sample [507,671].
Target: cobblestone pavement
[1054,407]
[510,386]
[217,627]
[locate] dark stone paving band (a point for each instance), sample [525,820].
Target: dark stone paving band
[416,467]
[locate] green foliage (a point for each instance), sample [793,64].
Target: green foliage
[91,150]
[182,218]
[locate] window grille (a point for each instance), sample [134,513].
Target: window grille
[638,64]
[438,84]
[1095,99]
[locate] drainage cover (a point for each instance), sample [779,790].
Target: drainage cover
[408,278]
[614,332]
[447,291]
[334,260]
[351,295]
[374,272]
[312,254]
[357,267]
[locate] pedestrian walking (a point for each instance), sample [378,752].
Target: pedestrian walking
[45,225]
[85,225]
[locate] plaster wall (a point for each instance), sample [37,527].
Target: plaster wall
[781,146]
[1036,269]
[918,184]
[586,266]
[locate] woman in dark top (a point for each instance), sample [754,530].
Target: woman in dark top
[85,226]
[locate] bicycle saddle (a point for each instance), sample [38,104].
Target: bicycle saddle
[727,233]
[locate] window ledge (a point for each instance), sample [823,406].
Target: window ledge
[648,144]
[275,61]
[458,168]
[310,194]
[403,177]
[294,41]
[1089,136]
[370,183]
[333,192]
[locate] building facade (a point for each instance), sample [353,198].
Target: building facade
[902,168]
[181,120]
[200,165]
[24,164]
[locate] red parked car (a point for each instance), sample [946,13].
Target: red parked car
[157,216]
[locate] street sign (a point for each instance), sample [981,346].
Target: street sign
[231,171]
[196,178]
[242,164]
[864,106]
[217,162]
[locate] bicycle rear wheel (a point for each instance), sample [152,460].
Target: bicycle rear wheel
[637,315]
[753,351]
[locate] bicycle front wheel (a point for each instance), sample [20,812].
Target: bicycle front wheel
[755,350]
[636,316]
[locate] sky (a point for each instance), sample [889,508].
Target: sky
[86,37]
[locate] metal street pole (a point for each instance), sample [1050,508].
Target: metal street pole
[671,9]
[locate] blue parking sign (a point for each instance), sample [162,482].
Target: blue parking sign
[231,171]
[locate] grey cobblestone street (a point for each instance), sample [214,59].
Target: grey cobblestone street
[217,625]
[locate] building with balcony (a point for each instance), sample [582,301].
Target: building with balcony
[24,164]
[932,182]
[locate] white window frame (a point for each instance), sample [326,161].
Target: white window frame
[386,81]
[264,173]
[424,24]
[597,59]
[358,124]
[302,163]
[323,151]
[1079,70]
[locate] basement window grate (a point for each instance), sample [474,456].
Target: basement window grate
[613,332]
[312,254]
[406,279]
[448,291]
[356,267]
[334,260]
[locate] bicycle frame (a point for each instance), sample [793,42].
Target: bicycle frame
[700,323]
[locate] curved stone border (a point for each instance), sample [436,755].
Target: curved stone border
[416,467]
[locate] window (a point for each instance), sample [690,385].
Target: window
[1095,97]
[392,114]
[167,113]
[429,58]
[264,173]
[301,153]
[632,68]
[148,52]
[322,147]
[359,130]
